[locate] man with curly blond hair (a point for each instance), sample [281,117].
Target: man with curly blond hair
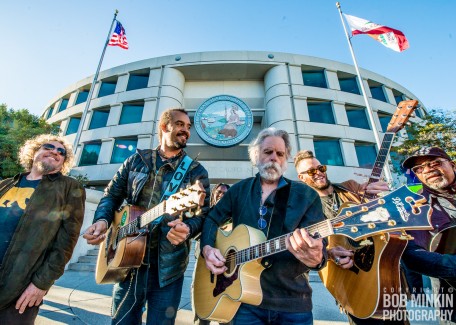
[41,213]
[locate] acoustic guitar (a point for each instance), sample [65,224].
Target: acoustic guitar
[444,242]
[125,243]
[359,290]
[219,297]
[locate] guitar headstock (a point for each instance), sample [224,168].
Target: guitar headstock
[185,200]
[402,114]
[399,210]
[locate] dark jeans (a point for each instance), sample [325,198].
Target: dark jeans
[11,316]
[130,297]
[252,315]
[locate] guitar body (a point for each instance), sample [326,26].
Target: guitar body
[444,242]
[218,297]
[360,289]
[115,259]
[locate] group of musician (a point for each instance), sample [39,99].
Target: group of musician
[41,213]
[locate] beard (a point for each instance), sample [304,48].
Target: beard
[314,185]
[45,168]
[271,171]
[180,144]
[437,184]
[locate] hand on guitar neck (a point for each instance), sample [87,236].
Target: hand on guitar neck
[374,189]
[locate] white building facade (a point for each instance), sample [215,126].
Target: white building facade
[318,101]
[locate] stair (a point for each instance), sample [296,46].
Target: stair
[86,263]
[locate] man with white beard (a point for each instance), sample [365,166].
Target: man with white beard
[276,206]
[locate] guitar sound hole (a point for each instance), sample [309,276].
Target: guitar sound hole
[364,257]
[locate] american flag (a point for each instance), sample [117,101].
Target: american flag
[119,38]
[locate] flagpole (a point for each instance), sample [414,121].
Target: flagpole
[89,96]
[366,100]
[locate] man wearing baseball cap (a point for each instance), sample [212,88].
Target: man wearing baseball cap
[437,172]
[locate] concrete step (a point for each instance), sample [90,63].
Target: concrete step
[87,259]
[86,267]
[93,252]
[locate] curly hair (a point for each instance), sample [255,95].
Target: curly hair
[30,147]
[301,155]
[166,117]
[254,146]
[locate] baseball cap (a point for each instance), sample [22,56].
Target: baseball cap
[425,152]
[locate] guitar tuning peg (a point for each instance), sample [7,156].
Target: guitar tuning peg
[198,211]
[189,214]
[405,236]
[408,123]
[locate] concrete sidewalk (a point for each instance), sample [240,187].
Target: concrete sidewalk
[77,299]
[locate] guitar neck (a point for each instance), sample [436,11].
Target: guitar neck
[278,244]
[385,147]
[142,221]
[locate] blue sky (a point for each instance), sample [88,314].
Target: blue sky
[49,45]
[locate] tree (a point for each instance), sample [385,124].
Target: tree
[437,128]
[17,126]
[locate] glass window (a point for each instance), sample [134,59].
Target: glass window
[90,154]
[366,154]
[328,152]
[73,125]
[321,112]
[314,79]
[357,118]
[418,113]
[384,121]
[107,88]
[63,105]
[137,82]
[131,114]
[82,97]
[99,119]
[349,85]
[123,148]
[377,93]
[51,110]
[399,98]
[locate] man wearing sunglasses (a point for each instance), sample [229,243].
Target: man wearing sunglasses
[41,213]
[437,172]
[332,196]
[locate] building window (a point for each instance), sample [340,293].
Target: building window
[398,98]
[99,119]
[82,97]
[137,81]
[419,113]
[51,110]
[63,105]
[378,93]
[90,154]
[321,112]
[131,114]
[107,88]
[349,85]
[357,118]
[73,125]
[384,121]
[314,79]
[366,154]
[123,148]
[328,152]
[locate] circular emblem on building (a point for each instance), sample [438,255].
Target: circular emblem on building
[223,121]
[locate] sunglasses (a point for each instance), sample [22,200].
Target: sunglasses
[431,165]
[50,146]
[312,171]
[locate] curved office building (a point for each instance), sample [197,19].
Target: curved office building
[230,96]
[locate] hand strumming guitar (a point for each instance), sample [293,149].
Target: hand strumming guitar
[95,234]
[341,256]
[215,262]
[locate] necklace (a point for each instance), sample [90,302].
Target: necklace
[334,203]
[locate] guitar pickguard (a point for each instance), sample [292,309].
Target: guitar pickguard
[224,282]
[364,258]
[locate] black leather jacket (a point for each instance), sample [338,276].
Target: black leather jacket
[128,183]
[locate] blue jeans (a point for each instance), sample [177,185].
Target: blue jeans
[130,296]
[252,315]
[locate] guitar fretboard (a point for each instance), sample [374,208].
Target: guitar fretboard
[142,221]
[385,147]
[278,244]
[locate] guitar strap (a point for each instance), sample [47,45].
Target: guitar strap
[178,177]
[277,218]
